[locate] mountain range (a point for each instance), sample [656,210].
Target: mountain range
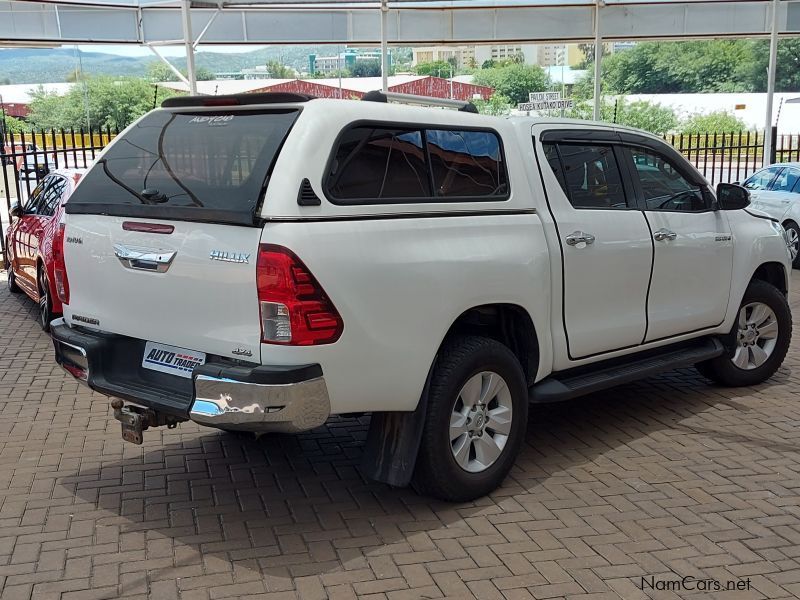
[52,65]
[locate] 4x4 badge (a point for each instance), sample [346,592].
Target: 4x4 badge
[234,257]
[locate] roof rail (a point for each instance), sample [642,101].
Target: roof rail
[379,96]
[237,99]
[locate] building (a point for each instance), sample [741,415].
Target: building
[346,60]
[351,87]
[463,56]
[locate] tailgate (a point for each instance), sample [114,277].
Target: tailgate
[162,235]
[200,296]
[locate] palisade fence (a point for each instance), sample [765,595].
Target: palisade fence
[27,158]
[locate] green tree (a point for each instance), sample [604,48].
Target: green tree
[158,71]
[489,64]
[642,114]
[497,105]
[437,68]
[787,72]
[367,68]
[514,81]
[719,121]
[109,101]
[277,70]
[15,126]
[203,74]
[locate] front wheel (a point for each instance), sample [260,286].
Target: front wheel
[11,280]
[793,241]
[760,336]
[475,426]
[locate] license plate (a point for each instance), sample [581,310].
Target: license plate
[171,359]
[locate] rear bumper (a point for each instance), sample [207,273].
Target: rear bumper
[249,398]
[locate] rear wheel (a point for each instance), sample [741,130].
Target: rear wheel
[45,304]
[761,337]
[793,241]
[477,414]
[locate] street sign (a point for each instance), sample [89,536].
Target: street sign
[545,101]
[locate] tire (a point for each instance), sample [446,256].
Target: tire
[11,278]
[478,361]
[45,304]
[765,309]
[793,233]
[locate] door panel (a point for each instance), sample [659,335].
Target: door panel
[691,274]
[605,283]
[693,247]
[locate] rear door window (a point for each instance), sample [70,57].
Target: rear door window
[590,175]
[195,166]
[380,164]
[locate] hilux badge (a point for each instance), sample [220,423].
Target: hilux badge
[234,257]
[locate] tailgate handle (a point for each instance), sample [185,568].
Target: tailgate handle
[144,259]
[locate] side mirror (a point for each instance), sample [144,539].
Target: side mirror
[732,197]
[16,209]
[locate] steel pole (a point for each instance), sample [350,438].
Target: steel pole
[188,43]
[598,56]
[769,142]
[384,46]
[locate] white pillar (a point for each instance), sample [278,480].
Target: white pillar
[598,56]
[773,60]
[188,43]
[384,46]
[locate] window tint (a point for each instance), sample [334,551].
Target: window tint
[591,177]
[785,181]
[761,179]
[52,196]
[663,187]
[34,203]
[466,163]
[551,154]
[375,163]
[192,166]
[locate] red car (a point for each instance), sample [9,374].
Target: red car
[29,242]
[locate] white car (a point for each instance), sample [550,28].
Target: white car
[776,191]
[261,262]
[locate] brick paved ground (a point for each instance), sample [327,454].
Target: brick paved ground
[670,477]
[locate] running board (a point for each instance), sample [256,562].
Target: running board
[569,384]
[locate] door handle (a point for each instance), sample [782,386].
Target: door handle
[145,259]
[577,237]
[664,234]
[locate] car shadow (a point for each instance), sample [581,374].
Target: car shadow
[288,506]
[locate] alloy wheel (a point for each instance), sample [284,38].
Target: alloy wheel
[756,336]
[793,241]
[480,422]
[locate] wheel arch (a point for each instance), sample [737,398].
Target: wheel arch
[509,324]
[773,273]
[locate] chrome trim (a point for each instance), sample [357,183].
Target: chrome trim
[578,237]
[144,259]
[664,234]
[288,408]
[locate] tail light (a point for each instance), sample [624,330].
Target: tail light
[294,308]
[59,266]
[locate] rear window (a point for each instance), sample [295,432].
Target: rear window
[195,166]
[381,164]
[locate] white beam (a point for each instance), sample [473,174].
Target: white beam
[186,17]
[172,67]
[384,47]
[598,59]
[771,69]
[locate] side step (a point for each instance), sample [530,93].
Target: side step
[580,381]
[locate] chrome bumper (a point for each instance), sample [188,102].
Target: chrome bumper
[288,408]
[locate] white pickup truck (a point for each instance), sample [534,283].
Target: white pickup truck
[262,262]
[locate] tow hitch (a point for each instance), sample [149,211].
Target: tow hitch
[135,419]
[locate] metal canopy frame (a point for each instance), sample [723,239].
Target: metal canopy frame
[154,23]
